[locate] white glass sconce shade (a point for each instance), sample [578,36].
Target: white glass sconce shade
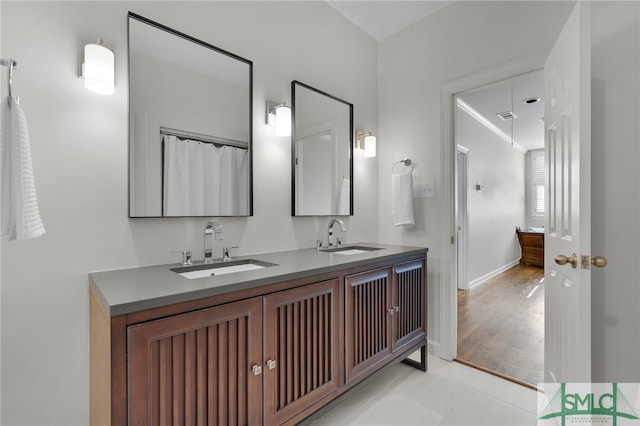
[370,146]
[366,141]
[279,116]
[283,121]
[98,71]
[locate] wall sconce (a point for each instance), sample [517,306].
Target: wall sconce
[366,141]
[97,68]
[279,116]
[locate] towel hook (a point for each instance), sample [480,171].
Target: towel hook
[405,161]
[9,63]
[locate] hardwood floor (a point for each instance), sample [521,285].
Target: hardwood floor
[501,325]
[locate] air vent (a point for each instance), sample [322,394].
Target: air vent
[507,115]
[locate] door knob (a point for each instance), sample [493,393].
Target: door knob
[599,261]
[561,259]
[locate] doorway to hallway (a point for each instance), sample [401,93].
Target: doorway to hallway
[499,136]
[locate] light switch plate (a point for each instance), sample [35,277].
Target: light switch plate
[424,190]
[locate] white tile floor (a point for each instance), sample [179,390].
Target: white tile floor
[448,394]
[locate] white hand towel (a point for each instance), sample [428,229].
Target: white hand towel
[19,210]
[402,199]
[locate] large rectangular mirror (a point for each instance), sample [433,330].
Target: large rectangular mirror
[322,153]
[190,127]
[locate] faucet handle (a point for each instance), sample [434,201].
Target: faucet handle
[186,257]
[225,253]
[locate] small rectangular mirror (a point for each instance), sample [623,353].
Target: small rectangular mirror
[322,153]
[190,127]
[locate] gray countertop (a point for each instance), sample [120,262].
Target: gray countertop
[126,291]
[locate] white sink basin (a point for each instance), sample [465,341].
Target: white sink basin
[203,271]
[351,250]
[220,271]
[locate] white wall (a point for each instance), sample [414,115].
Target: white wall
[458,40]
[615,179]
[494,213]
[79,148]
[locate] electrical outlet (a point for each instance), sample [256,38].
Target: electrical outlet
[424,190]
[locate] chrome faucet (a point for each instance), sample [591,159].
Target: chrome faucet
[213,231]
[332,222]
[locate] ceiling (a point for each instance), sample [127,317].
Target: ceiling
[382,18]
[527,130]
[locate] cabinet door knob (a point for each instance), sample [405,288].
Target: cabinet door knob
[391,310]
[257,370]
[271,364]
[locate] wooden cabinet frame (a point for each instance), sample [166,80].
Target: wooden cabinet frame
[111,378]
[410,319]
[368,325]
[409,304]
[385,311]
[196,367]
[301,348]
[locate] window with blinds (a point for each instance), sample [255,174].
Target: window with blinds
[537,182]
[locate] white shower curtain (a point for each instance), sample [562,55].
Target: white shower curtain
[201,179]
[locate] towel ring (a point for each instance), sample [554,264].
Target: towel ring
[11,64]
[405,161]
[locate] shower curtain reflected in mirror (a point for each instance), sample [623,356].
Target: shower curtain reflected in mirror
[203,179]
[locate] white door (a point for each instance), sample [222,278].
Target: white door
[316,177]
[567,75]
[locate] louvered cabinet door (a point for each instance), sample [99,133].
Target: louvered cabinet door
[367,321]
[409,301]
[197,368]
[301,351]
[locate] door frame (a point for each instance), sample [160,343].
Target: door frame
[448,315]
[462,218]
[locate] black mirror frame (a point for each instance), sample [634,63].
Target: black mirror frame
[293,146]
[132,15]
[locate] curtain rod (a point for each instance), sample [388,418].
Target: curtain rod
[203,138]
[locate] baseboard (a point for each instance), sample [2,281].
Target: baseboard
[433,348]
[486,277]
